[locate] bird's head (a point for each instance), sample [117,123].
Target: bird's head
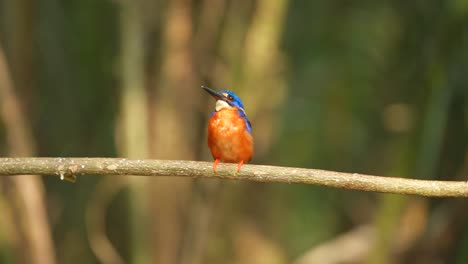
[225,99]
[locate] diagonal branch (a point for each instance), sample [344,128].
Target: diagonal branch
[114,166]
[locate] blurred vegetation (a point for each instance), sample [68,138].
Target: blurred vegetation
[374,87]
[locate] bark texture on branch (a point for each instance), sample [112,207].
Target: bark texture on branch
[64,167]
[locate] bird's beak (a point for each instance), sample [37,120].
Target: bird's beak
[215,94]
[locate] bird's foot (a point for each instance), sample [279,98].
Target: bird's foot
[239,166]
[215,164]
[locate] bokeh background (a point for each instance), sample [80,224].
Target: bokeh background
[378,87]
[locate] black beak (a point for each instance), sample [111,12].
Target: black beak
[215,94]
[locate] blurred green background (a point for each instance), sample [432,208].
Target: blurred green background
[377,87]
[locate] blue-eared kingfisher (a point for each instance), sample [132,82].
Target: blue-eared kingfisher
[229,130]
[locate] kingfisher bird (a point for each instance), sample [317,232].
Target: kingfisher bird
[229,130]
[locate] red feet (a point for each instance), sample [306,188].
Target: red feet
[239,166]
[215,164]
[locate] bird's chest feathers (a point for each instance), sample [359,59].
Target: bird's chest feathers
[227,122]
[228,137]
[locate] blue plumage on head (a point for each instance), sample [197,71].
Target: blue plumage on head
[236,101]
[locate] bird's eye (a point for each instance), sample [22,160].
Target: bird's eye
[230,98]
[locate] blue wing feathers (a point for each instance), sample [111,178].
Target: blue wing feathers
[247,122]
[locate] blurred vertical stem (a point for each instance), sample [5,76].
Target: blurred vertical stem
[198,228]
[174,126]
[256,71]
[428,143]
[21,45]
[264,68]
[134,123]
[28,195]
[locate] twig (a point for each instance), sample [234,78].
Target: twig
[114,166]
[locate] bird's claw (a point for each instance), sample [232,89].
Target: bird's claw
[215,164]
[239,166]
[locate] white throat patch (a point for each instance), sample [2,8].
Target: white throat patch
[220,104]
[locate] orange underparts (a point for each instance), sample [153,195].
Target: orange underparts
[229,139]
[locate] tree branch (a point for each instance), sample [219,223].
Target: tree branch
[64,167]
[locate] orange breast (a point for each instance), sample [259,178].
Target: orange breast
[228,137]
